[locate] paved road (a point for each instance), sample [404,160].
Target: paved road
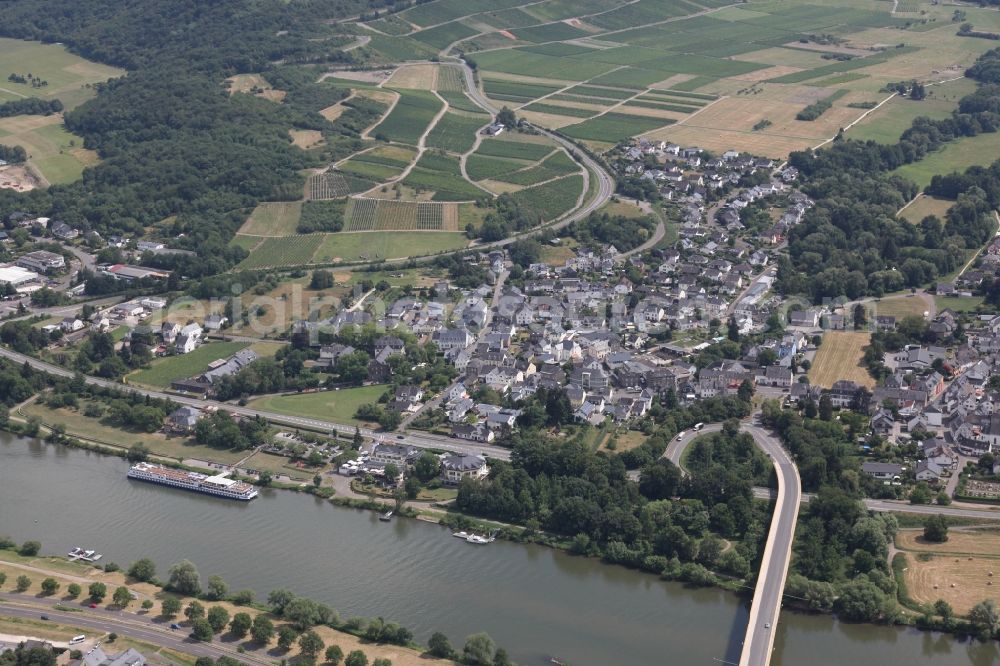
[766,606]
[420,440]
[99,620]
[759,641]
[605,183]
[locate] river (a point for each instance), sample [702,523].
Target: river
[535,601]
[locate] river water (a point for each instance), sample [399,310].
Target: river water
[535,601]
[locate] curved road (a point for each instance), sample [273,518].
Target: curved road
[420,440]
[759,640]
[125,624]
[605,183]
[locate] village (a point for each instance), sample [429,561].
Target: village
[616,332]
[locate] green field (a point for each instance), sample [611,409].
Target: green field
[515,90]
[361,167]
[558,164]
[442,175]
[397,49]
[480,167]
[66,74]
[456,132]
[338,406]
[56,153]
[958,303]
[283,251]
[613,126]
[165,370]
[540,107]
[442,35]
[273,219]
[410,117]
[888,123]
[513,149]
[369,246]
[551,200]
[956,155]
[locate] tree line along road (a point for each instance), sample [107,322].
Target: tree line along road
[105,622]
[419,440]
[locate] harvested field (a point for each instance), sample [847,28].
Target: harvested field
[925,206]
[331,113]
[363,76]
[839,357]
[962,581]
[273,219]
[382,96]
[306,139]
[418,77]
[971,542]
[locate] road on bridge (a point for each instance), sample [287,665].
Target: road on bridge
[759,640]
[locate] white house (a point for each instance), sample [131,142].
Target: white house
[188,339]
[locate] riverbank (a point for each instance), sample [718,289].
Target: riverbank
[668,570]
[536,601]
[66,573]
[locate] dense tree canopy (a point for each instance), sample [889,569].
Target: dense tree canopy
[173,142]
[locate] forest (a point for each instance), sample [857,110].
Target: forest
[30,106]
[564,487]
[852,244]
[174,144]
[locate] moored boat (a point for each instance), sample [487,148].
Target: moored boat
[219,485]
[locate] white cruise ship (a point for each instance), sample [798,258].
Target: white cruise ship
[212,485]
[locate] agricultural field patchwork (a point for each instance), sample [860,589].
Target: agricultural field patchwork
[375,245]
[409,119]
[441,174]
[655,67]
[456,131]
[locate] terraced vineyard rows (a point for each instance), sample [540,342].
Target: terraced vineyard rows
[430,216]
[326,186]
[390,215]
[450,79]
[363,215]
[283,251]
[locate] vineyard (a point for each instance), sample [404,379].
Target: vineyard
[389,215]
[285,251]
[334,185]
[363,215]
[450,79]
[326,186]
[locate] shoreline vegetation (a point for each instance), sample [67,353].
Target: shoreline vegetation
[293,626]
[802,594]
